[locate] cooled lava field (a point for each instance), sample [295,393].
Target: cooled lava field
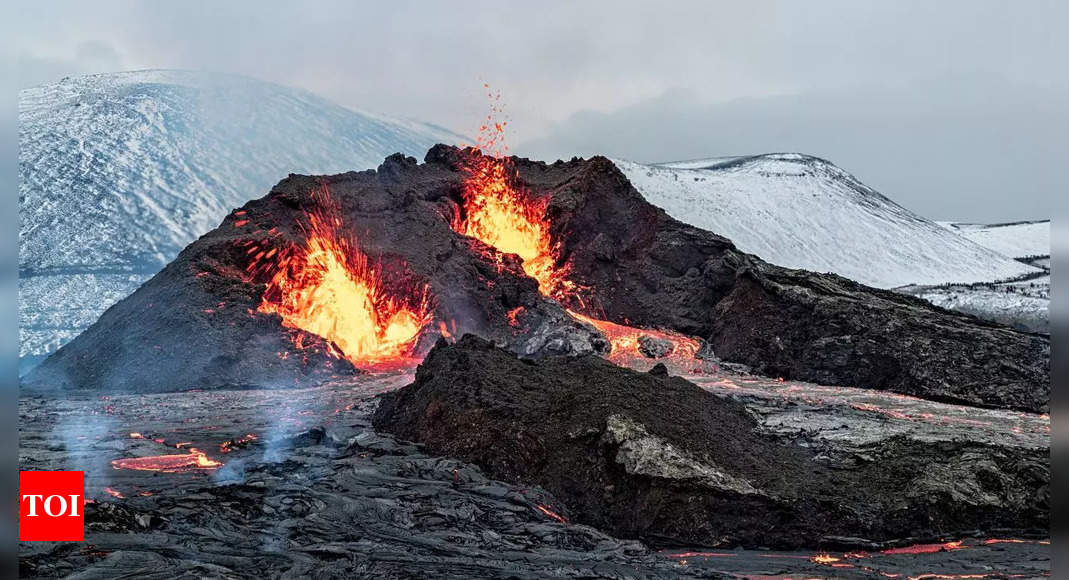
[346,501]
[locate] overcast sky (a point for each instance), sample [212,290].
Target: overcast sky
[957,110]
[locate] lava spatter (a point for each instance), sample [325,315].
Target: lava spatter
[327,287]
[498,212]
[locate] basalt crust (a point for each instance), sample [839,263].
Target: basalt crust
[655,457]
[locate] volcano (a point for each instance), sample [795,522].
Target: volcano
[153,159]
[545,259]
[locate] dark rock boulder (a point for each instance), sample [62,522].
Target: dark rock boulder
[650,456]
[653,347]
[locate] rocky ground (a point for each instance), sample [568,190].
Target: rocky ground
[346,501]
[655,457]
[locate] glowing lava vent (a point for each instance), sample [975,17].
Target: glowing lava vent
[328,288]
[501,215]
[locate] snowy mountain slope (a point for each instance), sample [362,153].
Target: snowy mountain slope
[120,171]
[1022,303]
[804,212]
[1016,240]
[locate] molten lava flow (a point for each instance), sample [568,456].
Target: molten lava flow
[232,444]
[545,510]
[928,548]
[328,288]
[626,345]
[194,460]
[702,555]
[824,558]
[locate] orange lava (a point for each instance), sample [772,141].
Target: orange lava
[824,558]
[328,288]
[927,548]
[114,493]
[194,460]
[702,555]
[990,541]
[551,513]
[513,316]
[231,444]
[500,214]
[625,344]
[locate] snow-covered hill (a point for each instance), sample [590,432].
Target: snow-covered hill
[120,171]
[1022,303]
[1016,240]
[804,212]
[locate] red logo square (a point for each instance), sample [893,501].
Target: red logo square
[51,506]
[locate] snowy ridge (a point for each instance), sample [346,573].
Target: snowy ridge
[803,212]
[152,160]
[1016,240]
[1022,303]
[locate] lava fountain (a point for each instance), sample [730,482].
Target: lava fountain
[500,214]
[328,288]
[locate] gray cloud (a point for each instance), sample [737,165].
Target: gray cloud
[554,60]
[968,147]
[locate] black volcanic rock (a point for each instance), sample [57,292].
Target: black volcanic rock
[791,323]
[655,457]
[631,263]
[196,325]
[795,324]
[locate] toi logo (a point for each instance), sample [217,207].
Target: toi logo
[51,506]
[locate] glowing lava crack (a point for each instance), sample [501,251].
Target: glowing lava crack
[192,461]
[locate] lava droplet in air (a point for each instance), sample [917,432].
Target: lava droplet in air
[327,287]
[499,214]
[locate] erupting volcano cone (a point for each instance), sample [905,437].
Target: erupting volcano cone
[217,316]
